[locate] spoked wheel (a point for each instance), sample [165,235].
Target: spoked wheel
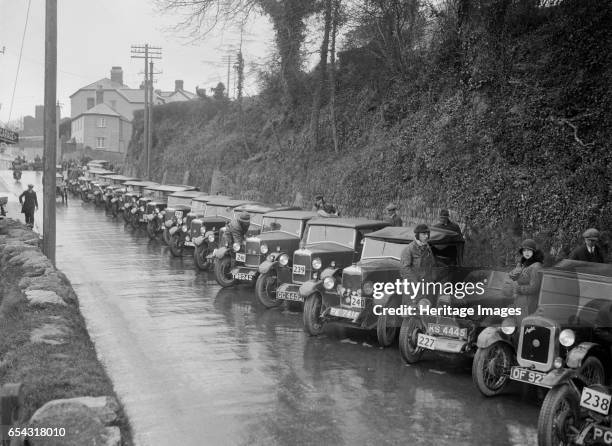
[200,256]
[176,245]
[265,289]
[491,368]
[385,333]
[592,371]
[408,337]
[313,309]
[559,418]
[223,274]
[152,228]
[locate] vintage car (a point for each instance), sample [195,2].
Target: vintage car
[179,206]
[328,246]
[156,204]
[204,231]
[230,266]
[114,188]
[568,334]
[134,191]
[98,164]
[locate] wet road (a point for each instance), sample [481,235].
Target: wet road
[195,364]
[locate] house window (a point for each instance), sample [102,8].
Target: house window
[101,122]
[91,102]
[100,143]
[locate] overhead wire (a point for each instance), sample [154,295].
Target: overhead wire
[19,62]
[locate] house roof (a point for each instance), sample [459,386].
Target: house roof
[106,84]
[135,95]
[103,110]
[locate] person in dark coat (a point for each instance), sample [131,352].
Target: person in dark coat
[238,228]
[392,216]
[29,204]
[588,251]
[527,278]
[324,209]
[445,222]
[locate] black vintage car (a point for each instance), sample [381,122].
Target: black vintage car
[179,206]
[230,261]
[158,202]
[205,230]
[568,334]
[135,190]
[113,190]
[328,246]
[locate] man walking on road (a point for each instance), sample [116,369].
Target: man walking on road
[29,204]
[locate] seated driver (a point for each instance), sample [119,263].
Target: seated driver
[237,229]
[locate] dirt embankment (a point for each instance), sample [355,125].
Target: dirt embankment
[44,345]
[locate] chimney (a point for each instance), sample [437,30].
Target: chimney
[178,85]
[117,75]
[99,95]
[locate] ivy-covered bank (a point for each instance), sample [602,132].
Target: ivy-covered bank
[503,117]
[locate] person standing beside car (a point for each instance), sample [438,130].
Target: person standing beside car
[238,228]
[589,251]
[526,277]
[392,216]
[29,204]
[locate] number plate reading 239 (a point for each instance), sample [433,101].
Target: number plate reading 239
[595,400]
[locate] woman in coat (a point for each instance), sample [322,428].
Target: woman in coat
[526,277]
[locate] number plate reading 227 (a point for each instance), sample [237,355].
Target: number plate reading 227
[595,400]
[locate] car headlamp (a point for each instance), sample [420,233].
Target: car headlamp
[283,259]
[367,288]
[203,230]
[141,208]
[508,326]
[211,238]
[316,263]
[236,246]
[263,249]
[328,283]
[184,228]
[567,337]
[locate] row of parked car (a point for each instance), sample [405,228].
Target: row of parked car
[329,266]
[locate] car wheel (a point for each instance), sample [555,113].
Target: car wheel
[200,256]
[223,274]
[166,236]
[559,417]
[409,331]
[134,223]
[152,227]
[592,371]
[126,215]
[385,333]
[176,245]
[115,209]
[265,289]
[491,368]
[313,308]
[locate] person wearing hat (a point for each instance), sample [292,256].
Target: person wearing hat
[239,227]
[526,277]
[417,259]
[29,204]
[324,209]
[445,222]
[588,251]
[392,216]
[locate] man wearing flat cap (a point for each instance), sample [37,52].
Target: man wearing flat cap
[324,209]
[392,216]
[445,222]
[29,204]
[588,251]
[239,227]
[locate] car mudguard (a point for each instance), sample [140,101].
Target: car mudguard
[208,233]
[267,265]
[221,252]
[329,272]
[198,240]
[578,353]
[168,223]
[490,336]
[173,230]
[560,376]
[307,288]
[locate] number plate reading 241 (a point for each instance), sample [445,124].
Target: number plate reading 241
[595,400]
[240,257]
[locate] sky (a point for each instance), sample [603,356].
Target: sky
[94,35]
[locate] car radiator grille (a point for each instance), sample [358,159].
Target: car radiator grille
[351,281]
[252,253]
[536,343]
[195,229]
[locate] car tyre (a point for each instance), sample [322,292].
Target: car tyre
[313,308]
[558,415]
[265,290]
[409,331]
[200,256]
[176,245]
[491,368]
[385,333]
[152,227]
[223,274]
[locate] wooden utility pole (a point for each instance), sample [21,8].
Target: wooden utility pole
[50,130]
[150,120]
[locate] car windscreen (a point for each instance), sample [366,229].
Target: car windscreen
[333,234]
[219,211]
[282,224]
[198,206]
[373,248]
[256,219]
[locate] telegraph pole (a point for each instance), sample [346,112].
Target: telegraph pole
[50,130]
[147,52]
[150,119]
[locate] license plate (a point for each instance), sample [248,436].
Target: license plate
[527,376]
[240,257]
[344,313]
[299,269]
[447,330]
[595,400]
[426,341]
[357,301]
[602,435]
[243,276]
[289,295]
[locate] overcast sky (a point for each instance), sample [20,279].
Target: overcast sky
[94,35]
